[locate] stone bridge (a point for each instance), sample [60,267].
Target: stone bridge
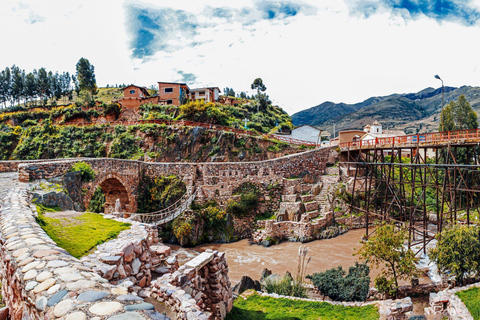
[119,179]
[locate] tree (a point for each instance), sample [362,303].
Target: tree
[260,87]
[30,86]
[458,251]
[43,84]
[458,115]
[86,76]
[337,285]
[18,79]
[387,247]
[229,92]
[5,85]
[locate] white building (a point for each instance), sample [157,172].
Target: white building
[308,133]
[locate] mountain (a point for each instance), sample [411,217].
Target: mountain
[411,112]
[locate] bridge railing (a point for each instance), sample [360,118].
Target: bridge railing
[434,137]
[167,214]
[203,125]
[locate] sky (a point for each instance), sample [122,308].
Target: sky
[306,52]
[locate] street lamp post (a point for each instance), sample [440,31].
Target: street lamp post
[443,98]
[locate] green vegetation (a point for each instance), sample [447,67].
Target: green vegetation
[458,251]
[339,286]
[249,196]
[386,247]
[41,209]
[266,216]
[97,202]
[458,116]
[85,169]
[471,298]
[285,286]
[211,225]
[79,234]
[288,285]
[256,307]
[158,193]
[269,118]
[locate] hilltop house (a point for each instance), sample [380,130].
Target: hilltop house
[168,94]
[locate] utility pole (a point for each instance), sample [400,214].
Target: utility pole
[443,99]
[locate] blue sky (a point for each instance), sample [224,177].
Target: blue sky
[307,52]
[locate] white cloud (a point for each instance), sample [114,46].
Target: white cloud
[320,53]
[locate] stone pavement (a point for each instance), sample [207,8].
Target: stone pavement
[42,281]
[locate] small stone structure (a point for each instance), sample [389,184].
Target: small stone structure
[447,303]
[200,284]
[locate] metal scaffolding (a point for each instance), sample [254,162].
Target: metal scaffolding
[419,192]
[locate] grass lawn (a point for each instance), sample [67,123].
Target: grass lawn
[471,298]
[256,307]
[80,234]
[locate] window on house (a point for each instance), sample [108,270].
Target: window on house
[169,101]
[132,91]
[201,93]
[168,90]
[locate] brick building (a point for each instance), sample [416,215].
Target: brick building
[168,94]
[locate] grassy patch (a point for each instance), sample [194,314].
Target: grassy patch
[266,216]
[78,235]
[471,298]
[256,307]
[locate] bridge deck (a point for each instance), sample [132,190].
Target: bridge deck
[424,140]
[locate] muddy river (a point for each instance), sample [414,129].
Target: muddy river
[245,259]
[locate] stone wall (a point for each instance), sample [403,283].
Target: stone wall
[200,284]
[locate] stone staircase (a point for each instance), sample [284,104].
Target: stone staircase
[331,178]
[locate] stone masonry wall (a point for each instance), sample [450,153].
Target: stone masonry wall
[202,283]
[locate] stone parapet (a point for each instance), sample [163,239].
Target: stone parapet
[200,289]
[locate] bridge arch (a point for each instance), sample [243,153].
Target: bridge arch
[114,187]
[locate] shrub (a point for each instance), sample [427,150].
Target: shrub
[458,251]
[285,286]
[85,169]
[338,285]
[97,202]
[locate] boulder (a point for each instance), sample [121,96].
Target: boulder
[246,283]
